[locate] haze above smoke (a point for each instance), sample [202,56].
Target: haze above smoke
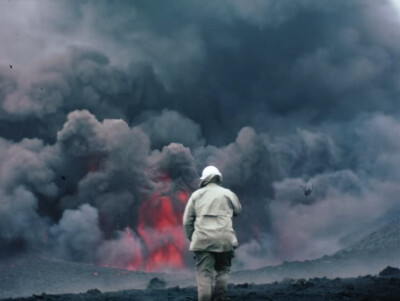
[109,105]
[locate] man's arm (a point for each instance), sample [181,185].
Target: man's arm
[189,216]
[237,207]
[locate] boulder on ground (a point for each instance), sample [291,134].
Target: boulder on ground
[93,291]
[390,272]
[156,283]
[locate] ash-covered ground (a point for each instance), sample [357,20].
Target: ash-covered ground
[22,276]
[383,287]
[35,277]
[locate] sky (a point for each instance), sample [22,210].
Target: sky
[109,111]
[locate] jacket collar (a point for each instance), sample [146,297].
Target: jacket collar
[211,179]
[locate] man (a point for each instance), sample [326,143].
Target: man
[208,225]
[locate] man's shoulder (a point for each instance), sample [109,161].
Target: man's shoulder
[214,187]
[229,192]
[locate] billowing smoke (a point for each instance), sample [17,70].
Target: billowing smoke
[77,233]
[109,112]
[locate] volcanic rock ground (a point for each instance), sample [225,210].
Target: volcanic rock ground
[32,277]
[367,288]
[22,276]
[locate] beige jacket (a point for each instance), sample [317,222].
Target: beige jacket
[208,219]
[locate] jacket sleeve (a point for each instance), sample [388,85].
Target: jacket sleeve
[237,207]
[189,216]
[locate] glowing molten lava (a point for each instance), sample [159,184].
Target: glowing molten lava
[137,262]
[159,242]
[160,227]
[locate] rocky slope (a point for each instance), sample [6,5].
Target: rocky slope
[27,275]
[367,256]
[31,274]
[367,288]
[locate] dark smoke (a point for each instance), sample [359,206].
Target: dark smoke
[107,100]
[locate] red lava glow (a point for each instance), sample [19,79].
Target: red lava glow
[183,196]
[162,233]
[159,230]
[137,261]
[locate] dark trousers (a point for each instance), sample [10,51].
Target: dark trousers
[208,265]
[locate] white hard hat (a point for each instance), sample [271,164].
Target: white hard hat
[210,170]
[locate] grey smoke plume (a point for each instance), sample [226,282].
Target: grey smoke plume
[77,234]
[172,126]
[108,104]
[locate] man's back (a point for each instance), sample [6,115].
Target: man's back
[208,219]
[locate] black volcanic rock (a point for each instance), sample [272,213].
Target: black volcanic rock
[349,289]
[156,283]
[93,291]
[390,272]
